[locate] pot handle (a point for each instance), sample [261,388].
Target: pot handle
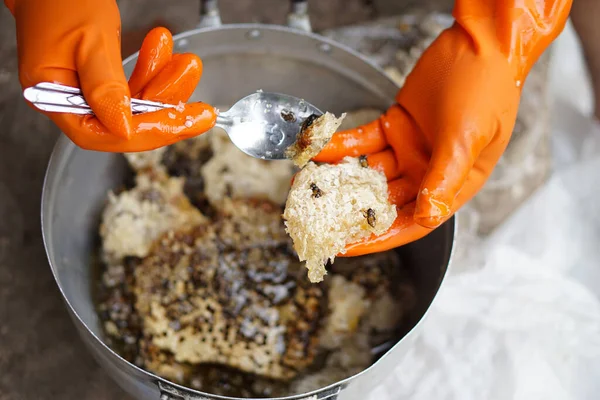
[297,17]
[168,392]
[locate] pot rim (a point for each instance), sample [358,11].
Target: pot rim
[64,147]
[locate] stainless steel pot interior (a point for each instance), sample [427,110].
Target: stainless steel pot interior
[238,59]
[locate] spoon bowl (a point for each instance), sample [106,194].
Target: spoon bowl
[264,125]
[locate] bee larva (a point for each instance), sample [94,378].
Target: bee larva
[288,116]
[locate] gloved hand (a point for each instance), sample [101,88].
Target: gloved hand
[77,43]
[454,115]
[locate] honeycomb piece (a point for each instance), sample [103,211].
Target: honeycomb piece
[347,306]
[315,134]
[231,173]
[133,219]
[333,205]
[230,293]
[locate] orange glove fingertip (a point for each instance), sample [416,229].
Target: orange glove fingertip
[155,53]
[363,140]
[177,81]
[432,208]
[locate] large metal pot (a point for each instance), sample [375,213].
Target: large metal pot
[238,59]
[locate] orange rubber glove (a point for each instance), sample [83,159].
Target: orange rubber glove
[455,114]
[77,43]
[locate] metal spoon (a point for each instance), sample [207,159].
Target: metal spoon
[262,125]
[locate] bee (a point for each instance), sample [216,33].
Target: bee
[288,116]
[371,217]
[316,192]
[363,161]
[308,122]
[303,138]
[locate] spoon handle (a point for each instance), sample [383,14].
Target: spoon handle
[53,97]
